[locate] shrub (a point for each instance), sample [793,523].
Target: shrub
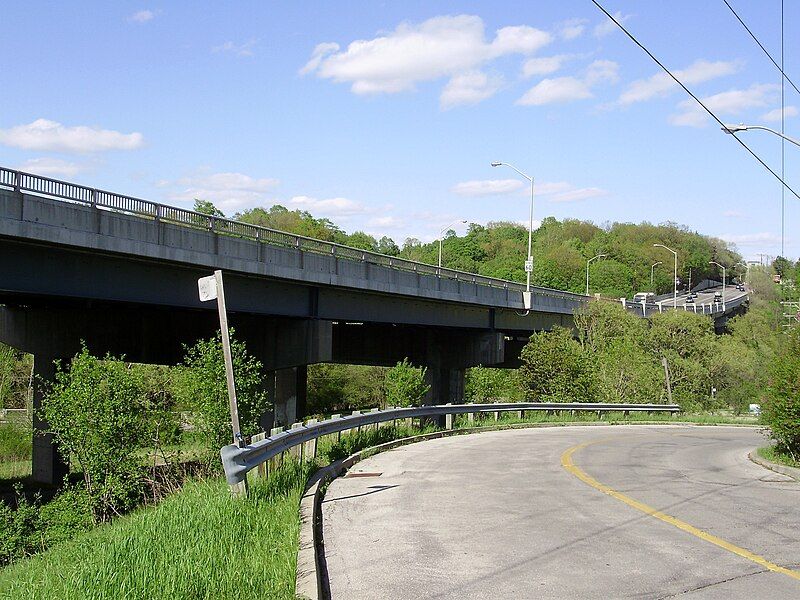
[484,384]
[782,409]
[97,411]
[202,387]
[556,369]
[405,385]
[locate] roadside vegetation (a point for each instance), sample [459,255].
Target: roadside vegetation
[145,510]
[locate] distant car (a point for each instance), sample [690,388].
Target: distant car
[717,296]
[689,299]
[644,297]
[740,287]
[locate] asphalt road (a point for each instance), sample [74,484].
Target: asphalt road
[564,513]
[706,297]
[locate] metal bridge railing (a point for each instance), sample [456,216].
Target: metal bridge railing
[238,461]
[72,192]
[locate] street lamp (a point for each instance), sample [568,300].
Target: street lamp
[732,129]
[723,280]
[587,270]
[675,276]
[526,297]
[652,269]
[441,237]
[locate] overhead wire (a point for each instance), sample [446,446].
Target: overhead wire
[760,45]
[694,97]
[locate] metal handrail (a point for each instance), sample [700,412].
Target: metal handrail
[73,192]
[237,461]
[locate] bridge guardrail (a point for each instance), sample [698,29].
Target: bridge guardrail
[238,461]
[73,192]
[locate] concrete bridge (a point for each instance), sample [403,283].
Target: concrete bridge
[81,264]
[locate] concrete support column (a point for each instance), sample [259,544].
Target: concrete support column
[290,394]
[267,419]
[456,387]
[48,464]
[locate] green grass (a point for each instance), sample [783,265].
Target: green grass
[772,453]
[187,546]
[198,543]
[15,450]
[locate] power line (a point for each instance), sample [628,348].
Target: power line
[695,98]
[760,45]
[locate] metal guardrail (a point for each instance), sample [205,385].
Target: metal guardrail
[72,192]
[238,461]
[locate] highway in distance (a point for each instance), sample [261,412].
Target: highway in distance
[566,512]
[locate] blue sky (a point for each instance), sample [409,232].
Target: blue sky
[384,117]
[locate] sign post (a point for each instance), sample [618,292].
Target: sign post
[211,288]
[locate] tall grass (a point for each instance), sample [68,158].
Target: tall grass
[198,543]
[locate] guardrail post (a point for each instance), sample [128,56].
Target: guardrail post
[471,416]
[297,451]
[310,447]
[261,471]
[275,461]
[358,428]
[338,433]
[448,418]
[374,410]
[519,415]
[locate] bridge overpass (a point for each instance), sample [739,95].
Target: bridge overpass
[82,264]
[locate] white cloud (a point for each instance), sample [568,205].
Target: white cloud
[320,52]
[469,88]
[544,65]
[568,89]
[242,50]
[46,135]
[763,238]
[571,29]
[735,214]
[775,114]
[439,47]
[387,222]
[578,194]
[548,188]
[142,16]
[329,207]
[730,103]
[230,192]
[51,167]
[487,187]
[662,84]
[608,26]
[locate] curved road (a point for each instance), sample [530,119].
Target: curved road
[566,513]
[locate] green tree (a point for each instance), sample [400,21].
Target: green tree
[202,386]
[207,207]
[483,384]
[405,385]
[782,409]
[555,368]
[98,413]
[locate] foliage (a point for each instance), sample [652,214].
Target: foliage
[484,384]
[556,369]
[15,441]
[15,371]
[334,388]
[207,207]
[97,411]
[405,385]
[782,409]
[202,386]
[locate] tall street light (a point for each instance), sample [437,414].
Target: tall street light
[652,271]
[587,270]
[674,277]
[441,237]
[528,263]
[733,129]
[713,262]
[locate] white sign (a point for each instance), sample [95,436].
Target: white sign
[207,286]
[529,266]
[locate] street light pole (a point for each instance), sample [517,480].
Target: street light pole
[723,281]
[441,237]
[733,129]
[674,277]
[529,262]
[652,271]
[587,270]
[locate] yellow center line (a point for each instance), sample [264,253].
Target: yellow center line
[566,462]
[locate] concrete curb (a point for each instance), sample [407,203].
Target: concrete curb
[792,472]
[312,572]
